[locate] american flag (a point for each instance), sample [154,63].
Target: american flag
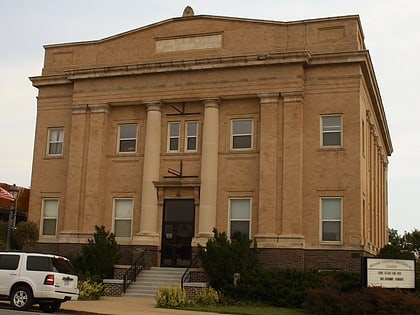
[4,194]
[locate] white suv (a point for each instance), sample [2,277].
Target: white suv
[30,278]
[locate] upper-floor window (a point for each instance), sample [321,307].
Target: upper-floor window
[49,216]
[240,216]
[173,136]
[127,138]
[241,134]
[191,136]
[331,126]
[55,141]
[123,217]
[331,219]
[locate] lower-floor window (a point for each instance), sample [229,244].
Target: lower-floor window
[331,219]
[123,217]
[49,216]
[240,216]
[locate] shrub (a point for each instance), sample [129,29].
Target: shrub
[26,232]
[90,290]
[169,297]
[208,296]
[99,255]
[331,300]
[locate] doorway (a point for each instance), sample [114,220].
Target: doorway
[177,232]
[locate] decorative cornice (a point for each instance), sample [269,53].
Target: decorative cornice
[268,98]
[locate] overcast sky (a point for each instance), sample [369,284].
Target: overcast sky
[391,31]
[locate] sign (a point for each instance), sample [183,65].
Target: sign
[390,273]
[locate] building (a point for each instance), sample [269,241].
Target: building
[274,129]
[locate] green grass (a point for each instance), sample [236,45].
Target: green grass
[245,309]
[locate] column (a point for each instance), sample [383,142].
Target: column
[268,178]
[291,235]
[209,161]
[75,181]
[148,234]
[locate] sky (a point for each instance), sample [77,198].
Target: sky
[391,32]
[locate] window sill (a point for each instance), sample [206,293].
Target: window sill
[326,149]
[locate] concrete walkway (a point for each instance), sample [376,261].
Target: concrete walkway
[123,306]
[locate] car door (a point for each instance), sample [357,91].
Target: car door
[9,271]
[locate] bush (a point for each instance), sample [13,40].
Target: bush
[169,297]
[330,300]
[208,296]
[222,258]
[90,290]
[26,232]
[99,256]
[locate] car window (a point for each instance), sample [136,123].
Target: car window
[9,262]
[63,266]
[39,263]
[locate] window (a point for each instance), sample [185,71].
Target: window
[331,213]
[123,216]
[191,135]
[128,138]
[240,216]
[39,263]
[9,262]
[49,216]
[241,134]
[331,130]
[55,141]
[173,136]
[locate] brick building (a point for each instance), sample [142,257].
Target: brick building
[275,129]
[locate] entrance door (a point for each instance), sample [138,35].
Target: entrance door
[177,232]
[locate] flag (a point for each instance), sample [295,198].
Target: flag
[4,194]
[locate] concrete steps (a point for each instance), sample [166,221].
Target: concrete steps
[148,281]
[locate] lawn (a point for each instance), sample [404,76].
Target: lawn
[246,310]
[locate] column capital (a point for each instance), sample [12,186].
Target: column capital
[153,105]
[294,96]
[211,102]
[267,98]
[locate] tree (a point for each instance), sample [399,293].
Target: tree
[406,246]
[99,255]
[26,232]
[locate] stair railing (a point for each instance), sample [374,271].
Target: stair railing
[186,277]
[131,274]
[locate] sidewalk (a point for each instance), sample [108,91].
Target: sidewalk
[123,306]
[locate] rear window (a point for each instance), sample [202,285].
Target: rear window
[9,262]
[63,266]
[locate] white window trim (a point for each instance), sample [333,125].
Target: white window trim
[322,131]
[41,232]
[119,139]
[172,137]
[232,135]
[188,136]
[114,202]
[49,142]
[321,221]
[229,214]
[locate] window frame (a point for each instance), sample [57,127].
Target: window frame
[187,136]
[115,218]
[44,217]
[170,137]
[230,220]
[232,135]
[127,139]
[322,220]
[323,131]
[55,142]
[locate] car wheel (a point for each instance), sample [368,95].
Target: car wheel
[22,298]
[50,307]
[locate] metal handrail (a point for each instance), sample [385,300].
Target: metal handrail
[131,274]
[187,274]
